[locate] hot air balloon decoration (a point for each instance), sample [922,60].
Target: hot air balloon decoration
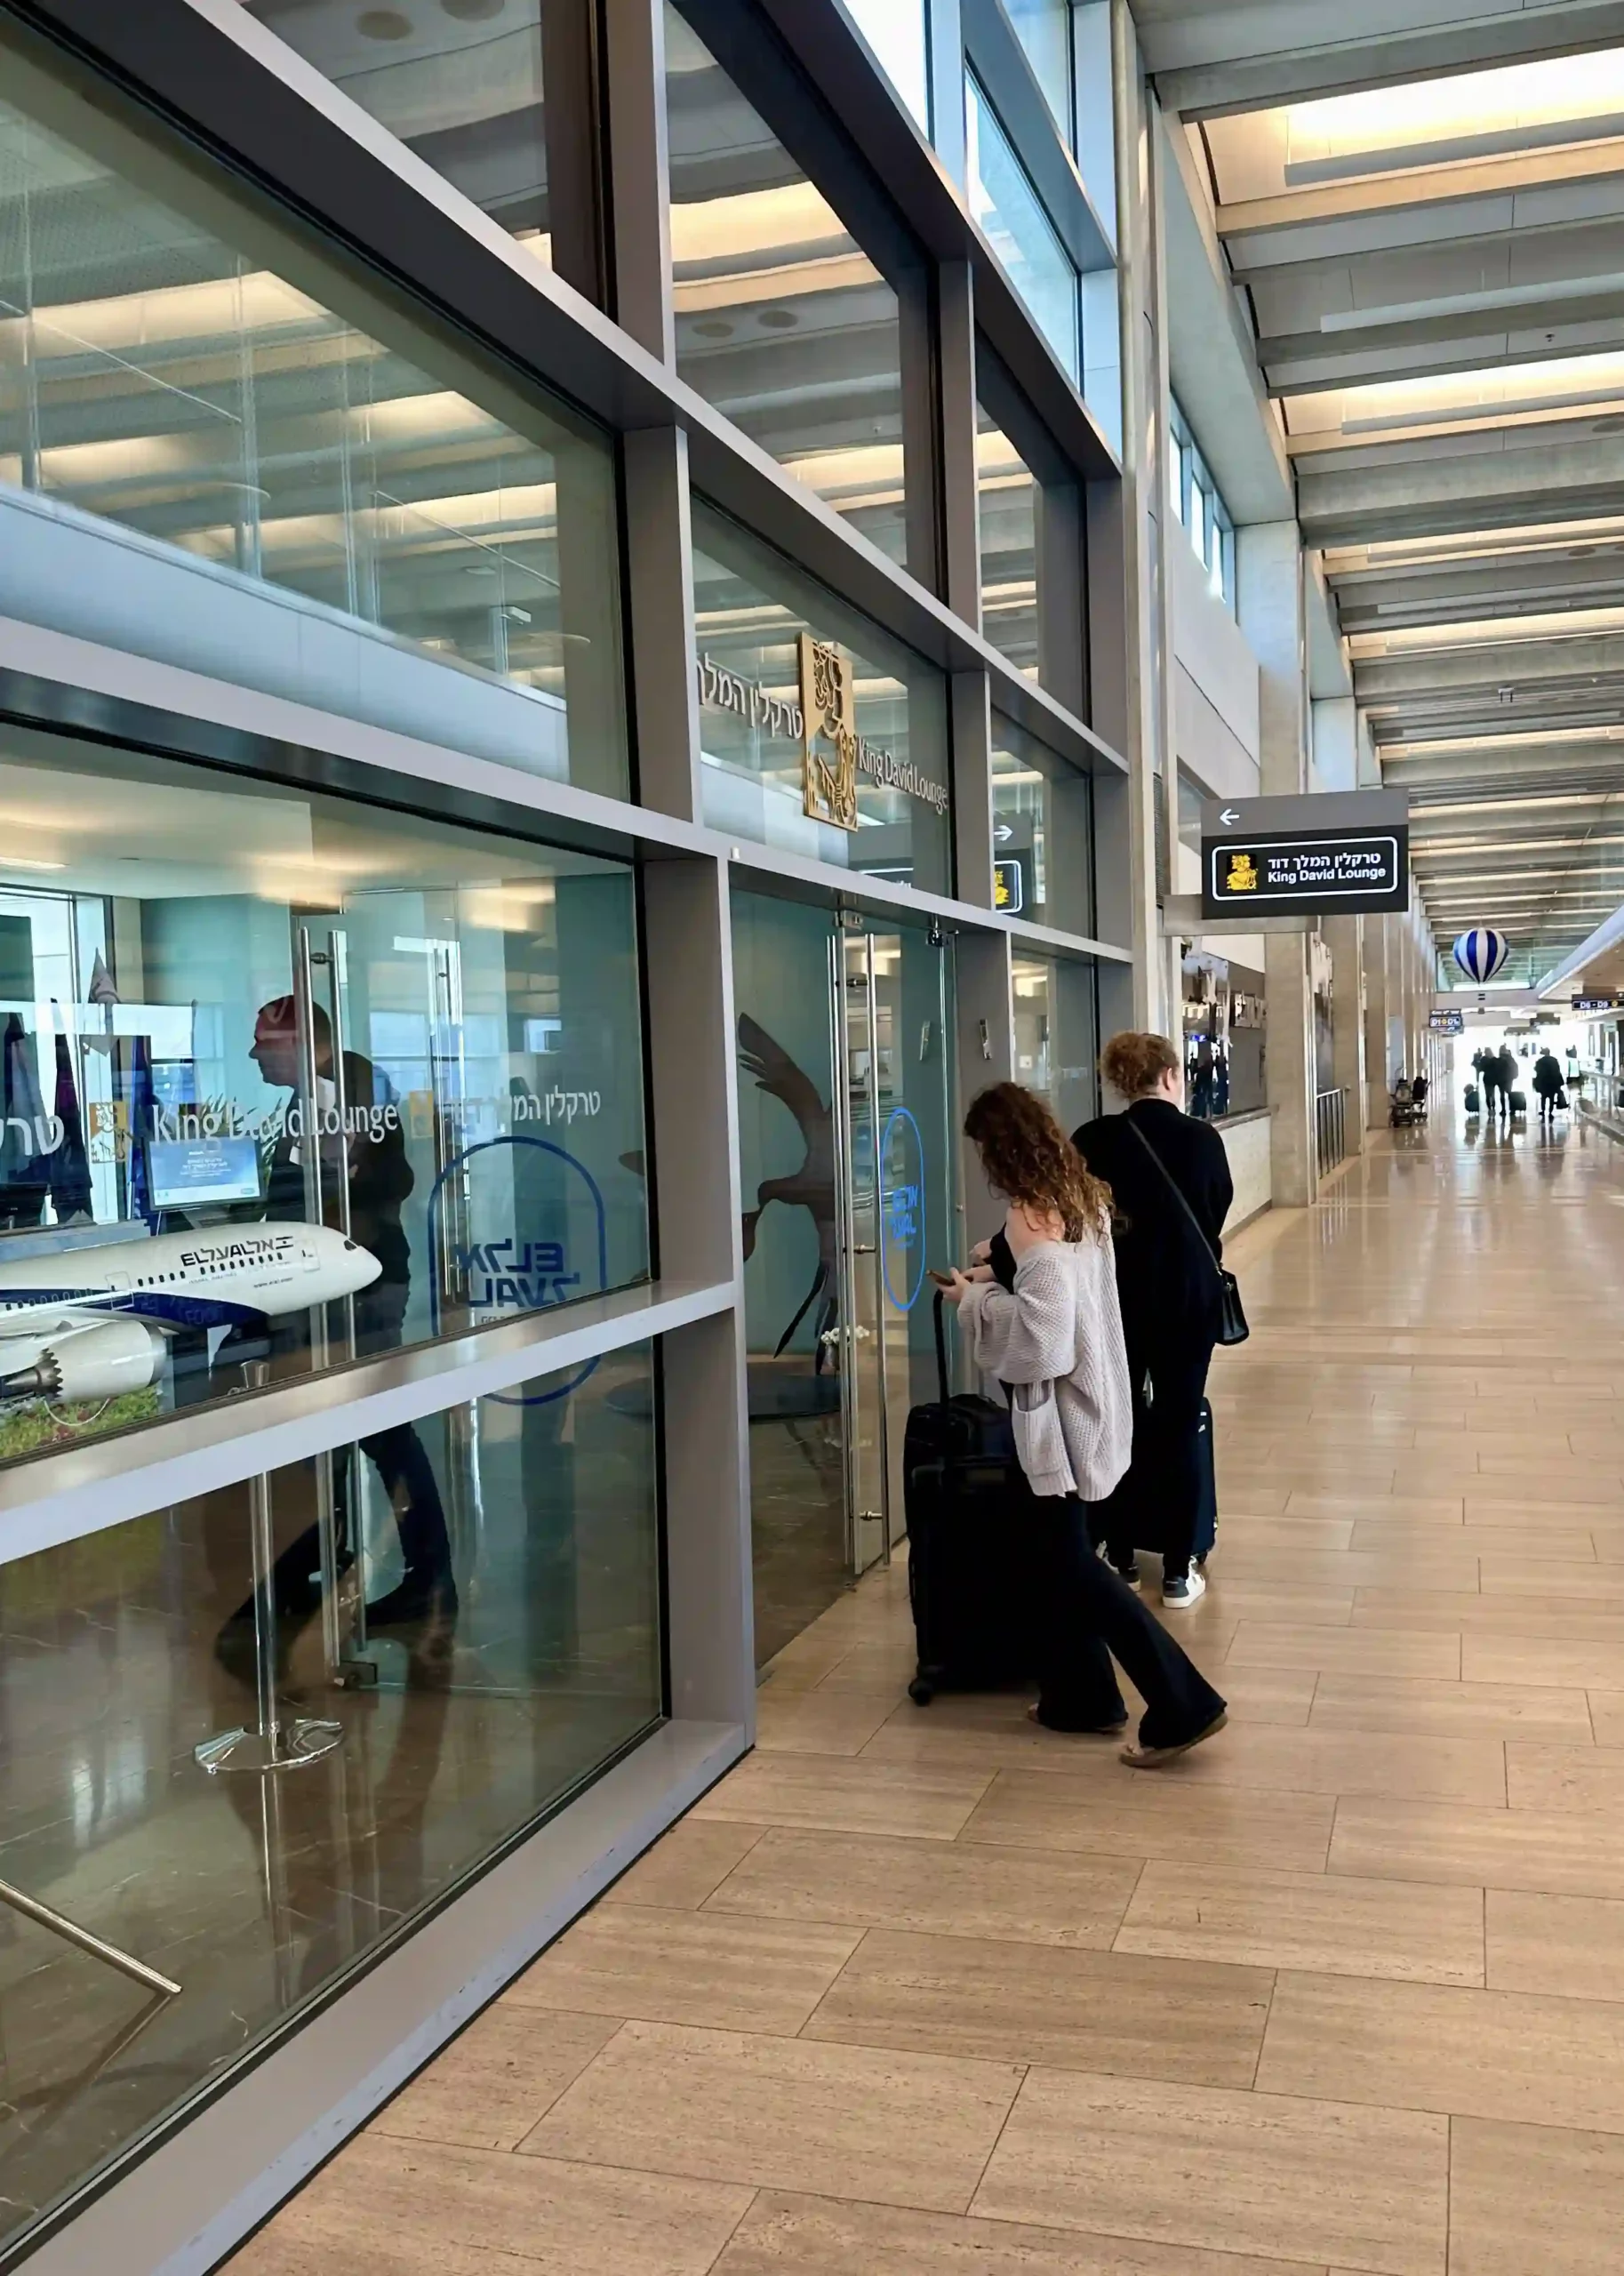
[1480,953]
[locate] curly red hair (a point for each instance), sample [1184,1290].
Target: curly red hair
[1029,1159]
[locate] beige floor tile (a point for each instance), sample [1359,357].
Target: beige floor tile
[823,1721]
[812,2236]
[1392,1508]
[1544,1660]
[1606,1717]
[1468,2053]
[1533,1521]
[845,1796]
[683,1866]
[1563,1851]
[1287,1536]
[1151,1816]
[872,1667]
[1570,1946]
[1317,1761]
[1076,2010]
[1424,1543]
[783,2113]
[1272,1574]
[496,2079]
[1413,1707]
[1530,1574]
[687,1967]
[1534,2199]
[1332,1651]
[1432,1609]
[415,2208]
[1396,1929]
[1240,2173]
[1565,1778]
[941,1888]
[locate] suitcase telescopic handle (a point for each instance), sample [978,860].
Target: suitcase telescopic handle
[941,1346]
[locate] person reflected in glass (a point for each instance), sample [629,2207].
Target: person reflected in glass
[369,1155]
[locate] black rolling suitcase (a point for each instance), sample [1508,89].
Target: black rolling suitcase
[1519,1101]
[969,1548]
[1474,1102]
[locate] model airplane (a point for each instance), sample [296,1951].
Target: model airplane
[90,1323]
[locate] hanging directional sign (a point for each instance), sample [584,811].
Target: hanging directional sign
[1345,852]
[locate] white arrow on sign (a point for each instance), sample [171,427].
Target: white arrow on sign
[1228,817]
[1002,833]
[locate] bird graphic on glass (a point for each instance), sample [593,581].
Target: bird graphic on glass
[810,1186]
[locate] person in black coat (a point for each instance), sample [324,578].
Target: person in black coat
[1547,1083]
[1171,1296]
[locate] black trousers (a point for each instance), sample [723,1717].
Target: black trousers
[1088,1617]
[1157,1504]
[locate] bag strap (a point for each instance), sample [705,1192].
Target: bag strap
[941,1348]
[1179,1195]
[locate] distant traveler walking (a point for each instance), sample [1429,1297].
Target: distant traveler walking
[1487,1063]
[1507,1078]
[1054,1337]
[1171,1298]
[1547,1083]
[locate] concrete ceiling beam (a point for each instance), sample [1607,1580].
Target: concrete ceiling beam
[1487,490]
[1208,60]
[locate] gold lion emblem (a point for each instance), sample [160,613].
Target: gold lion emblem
[829,734]
[1242,873]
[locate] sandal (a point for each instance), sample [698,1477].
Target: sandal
[1088,1731]
[1152,1757]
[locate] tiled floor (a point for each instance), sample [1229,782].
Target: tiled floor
[933,1990]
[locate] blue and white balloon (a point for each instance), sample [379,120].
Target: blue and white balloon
[1480,953]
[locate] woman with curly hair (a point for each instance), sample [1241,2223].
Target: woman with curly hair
[1040,1313]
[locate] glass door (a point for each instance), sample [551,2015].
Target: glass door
[896,1214]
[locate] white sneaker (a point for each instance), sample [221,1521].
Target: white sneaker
[1177,1596]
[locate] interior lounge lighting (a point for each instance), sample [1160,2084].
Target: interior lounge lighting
[1448,806]
[1477,631]
[1465,545]
[1471,115]
[17,861]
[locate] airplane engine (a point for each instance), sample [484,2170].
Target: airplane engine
[99,1362]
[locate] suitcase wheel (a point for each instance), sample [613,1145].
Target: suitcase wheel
[921,1691]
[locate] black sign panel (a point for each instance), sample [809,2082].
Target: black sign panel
[1595,1004]
[1010,884]
[1447,1022]
[1345,852]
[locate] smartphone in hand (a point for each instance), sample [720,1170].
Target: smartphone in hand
[942,1279]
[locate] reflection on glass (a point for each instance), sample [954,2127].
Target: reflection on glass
[801,1556]
[289,1080]
[1044,28]
[1225,1030]
[895,29]
[782,320]
[1043,832]
[751,606]
[1057,1035]
[1007,209]
[1007,495]
[122,1656]
[153,375]
[458,83]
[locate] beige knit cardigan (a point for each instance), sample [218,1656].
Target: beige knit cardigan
[1057,1341]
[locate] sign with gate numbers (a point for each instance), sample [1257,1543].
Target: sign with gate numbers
[1345,852]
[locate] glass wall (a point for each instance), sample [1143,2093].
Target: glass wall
[1044,28]
[1007,209]
[341,512]
[460,84]
[1007,491]
[1057,1034]
[129,1672]
[897,32]
[1200,507]
[1043,832]
[289,1080]
[783,319]
[1225,1036]
[877,751]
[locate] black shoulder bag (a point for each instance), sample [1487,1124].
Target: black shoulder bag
[1232,1327]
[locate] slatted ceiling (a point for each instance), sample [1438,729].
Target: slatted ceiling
[1426,219]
